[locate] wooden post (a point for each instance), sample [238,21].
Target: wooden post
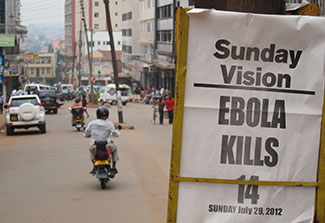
[254,6]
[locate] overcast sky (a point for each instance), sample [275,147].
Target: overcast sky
[42,11]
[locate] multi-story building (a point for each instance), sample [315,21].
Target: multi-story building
[130,40]
[147,41]
[40,67]
[163,69]
[101,40]
[11,32]
[95,17]
[102,66]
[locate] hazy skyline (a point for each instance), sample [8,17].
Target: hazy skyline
[42,11]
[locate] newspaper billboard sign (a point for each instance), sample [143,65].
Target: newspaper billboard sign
[252,111]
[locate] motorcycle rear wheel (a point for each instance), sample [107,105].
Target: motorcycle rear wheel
[103,183]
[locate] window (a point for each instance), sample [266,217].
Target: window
[48,70]
[98,43]
[96,14]
[127,16]
[118,42]
[96,26]
[164,12]
[149,4]
[148,27]
[116,14]
[107,42]
[115,25]
[127,49]
[116,3]
[96,3]
[164,36]
[126,32]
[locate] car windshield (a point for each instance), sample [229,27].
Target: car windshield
[47,94]
[17,102]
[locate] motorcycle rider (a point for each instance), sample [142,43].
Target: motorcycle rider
[76,104]
[101,129]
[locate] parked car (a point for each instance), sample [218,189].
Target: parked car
[111,98]
[49,100]
[25,111]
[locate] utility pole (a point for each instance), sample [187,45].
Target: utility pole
[73,61]
[83,18]
[79,63]
[116,79]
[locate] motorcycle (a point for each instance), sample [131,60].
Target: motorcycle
[77,117]
[102,163]
[103,160]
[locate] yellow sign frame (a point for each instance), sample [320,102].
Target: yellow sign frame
[181,40]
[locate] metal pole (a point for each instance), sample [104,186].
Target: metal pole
[91,98]
[73,61]
[79,63]
[116,79]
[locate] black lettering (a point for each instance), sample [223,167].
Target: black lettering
[279,115]
[226,149]
[221,48]
[253,112]
[227,77]
[237,116]
[223,110]
[271,160]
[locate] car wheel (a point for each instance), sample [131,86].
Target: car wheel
[55,111]
[42,128]
[114,103]
[10,130]
[124,103]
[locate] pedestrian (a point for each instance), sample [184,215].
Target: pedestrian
[84,103]
[20,91]
[1,103]
[170,108]
[162,92]
[14,92]
[69,95]
[161,106]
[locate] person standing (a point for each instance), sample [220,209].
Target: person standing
[1,103]
[170,108]
[84,103]
[161,105]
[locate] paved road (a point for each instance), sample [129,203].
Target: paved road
[44,178]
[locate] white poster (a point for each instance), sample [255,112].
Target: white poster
[253,108]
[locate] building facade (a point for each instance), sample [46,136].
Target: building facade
[101,40]
[130,41]
[11,33]
[40,67]
[95,18]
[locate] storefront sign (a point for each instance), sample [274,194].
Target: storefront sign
[7,40]
[252,111]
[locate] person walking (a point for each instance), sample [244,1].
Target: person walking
[170,108]
[1,103]
[161,105]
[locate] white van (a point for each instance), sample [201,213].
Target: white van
[66,87]
[39,87]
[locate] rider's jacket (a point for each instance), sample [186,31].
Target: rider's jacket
[100,130]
